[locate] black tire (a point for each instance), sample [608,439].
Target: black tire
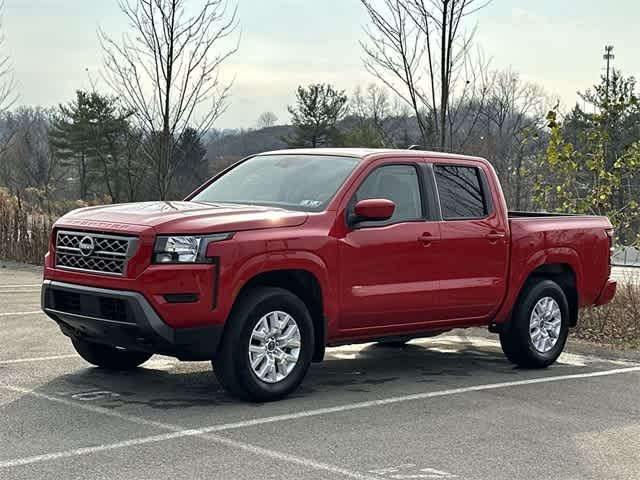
[232,366]
[516,340]
[108,357]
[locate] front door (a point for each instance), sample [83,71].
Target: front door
[387,274]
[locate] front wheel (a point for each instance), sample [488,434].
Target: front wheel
[108,357]
[539,325]
[267,346]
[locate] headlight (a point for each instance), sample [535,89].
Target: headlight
[185,248]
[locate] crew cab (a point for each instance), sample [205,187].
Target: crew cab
[288,252]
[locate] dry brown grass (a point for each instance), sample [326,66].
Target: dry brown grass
[24,231]
[617,323]
[25,225]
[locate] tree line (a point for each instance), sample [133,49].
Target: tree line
[144,137]
[151,134]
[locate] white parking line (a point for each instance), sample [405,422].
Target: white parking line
[12,314]
[285,457]
[36,359]
[13,292]
[176,432]
[179,432]
[413,397]
[20,286]
[87,450]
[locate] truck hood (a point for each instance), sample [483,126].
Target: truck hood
[184,217]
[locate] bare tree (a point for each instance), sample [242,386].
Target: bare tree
[372,103]
[372,112]
[510,132]
[419,50]
[135,171]
[266,119]
[28,161]
[167,71]
[7,82]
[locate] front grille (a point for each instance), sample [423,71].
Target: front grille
[96,306]
[94,252]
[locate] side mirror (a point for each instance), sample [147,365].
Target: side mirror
[373,209]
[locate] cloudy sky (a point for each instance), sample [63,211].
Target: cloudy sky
[555,43]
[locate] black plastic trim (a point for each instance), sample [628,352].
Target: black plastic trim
[149,333]
[431,200]
[181,297]
[216,283]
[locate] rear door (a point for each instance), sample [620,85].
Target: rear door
[475,246]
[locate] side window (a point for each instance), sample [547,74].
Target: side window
[461,192]
[398,183]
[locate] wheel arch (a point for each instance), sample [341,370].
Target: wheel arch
[306,285]
[564,275]
[562,265]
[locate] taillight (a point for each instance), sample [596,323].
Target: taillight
[610,236]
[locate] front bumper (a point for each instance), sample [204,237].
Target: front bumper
[125,319]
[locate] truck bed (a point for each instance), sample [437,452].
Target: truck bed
[580,241]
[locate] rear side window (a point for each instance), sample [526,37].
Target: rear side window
[461,192]
[398,183]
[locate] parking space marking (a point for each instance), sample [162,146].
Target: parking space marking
[11,314]
[13,292]
[208,432]
[85,450]
[157,363]
[410,471]
[93,395]
[37,359]
[91,408]
[413,397]
[20,286]
[176,432]
[285,457]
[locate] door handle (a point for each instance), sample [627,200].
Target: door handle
[426,239]
[494,236]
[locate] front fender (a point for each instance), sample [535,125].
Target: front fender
[286,260]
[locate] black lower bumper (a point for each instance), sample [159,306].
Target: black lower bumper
[124,319]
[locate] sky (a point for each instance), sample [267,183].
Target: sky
[558,44]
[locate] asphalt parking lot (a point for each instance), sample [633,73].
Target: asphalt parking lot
[449,407]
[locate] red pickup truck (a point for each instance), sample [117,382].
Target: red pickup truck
[288,252]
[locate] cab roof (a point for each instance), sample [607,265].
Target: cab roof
[371,153]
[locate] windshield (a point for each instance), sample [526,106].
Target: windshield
[299,182]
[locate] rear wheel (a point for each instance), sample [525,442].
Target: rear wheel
[108,357]
[539,325]
[267,347]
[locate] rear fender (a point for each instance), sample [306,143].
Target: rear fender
[519,276]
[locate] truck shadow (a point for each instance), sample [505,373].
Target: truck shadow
[166,384]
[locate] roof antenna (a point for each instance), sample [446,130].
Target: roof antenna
[415,147]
